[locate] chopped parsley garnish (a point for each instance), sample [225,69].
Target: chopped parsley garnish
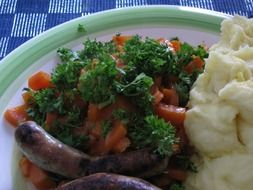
[154,133]
[81,28]
[96,84]
[97,50]
[146,56]
[138,92]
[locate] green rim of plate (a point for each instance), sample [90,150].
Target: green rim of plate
[25,55]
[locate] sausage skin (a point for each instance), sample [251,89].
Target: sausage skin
[108,181]
[52,155]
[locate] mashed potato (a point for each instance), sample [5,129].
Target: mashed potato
[219,122]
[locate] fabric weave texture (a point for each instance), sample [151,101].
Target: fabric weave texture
[21,20]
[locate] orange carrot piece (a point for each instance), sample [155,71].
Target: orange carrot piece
[27,97]
[170,96]
[121,40]
[161,40]
[121,146]
[93,113]
[40,178]
[36,175]
[158,96]
[16,115]
[173,114]
[50,118]
[175,44]
[196,63]
[39,80]
[118,132]
[120,103]
[96,131]
[24,165]
[167,93]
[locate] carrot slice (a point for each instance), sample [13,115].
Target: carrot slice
[164,41]
[170,96]
[121,40]
[173,114]
[157,94]
[16,115]
[40,178]
[39,80]
[120,103]
[118,132]
[36,175]
[96,131]
[196,63]
[93,113]
[121,146]
[27,97]
[175,44]
[50,118]
[24,165]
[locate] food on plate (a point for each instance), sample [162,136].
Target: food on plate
[108,181]
[116,107]
[52,155]
[219,122]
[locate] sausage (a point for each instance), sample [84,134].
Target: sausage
[52,155]
[108,181]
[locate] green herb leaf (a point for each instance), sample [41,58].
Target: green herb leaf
[66,75]
[146,56]
[155,133]
[96,84]
[140,85]
[81,28]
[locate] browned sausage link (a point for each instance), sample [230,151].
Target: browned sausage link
[47,152]
[52,155]
[134,163]
[108,182]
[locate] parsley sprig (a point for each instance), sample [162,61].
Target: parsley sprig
[154,133]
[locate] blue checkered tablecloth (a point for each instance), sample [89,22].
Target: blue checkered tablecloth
[21,20]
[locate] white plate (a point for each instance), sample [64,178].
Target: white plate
[191,25]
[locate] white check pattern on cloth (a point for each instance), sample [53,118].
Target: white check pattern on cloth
[21,20]
[28,25]
[65,6]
